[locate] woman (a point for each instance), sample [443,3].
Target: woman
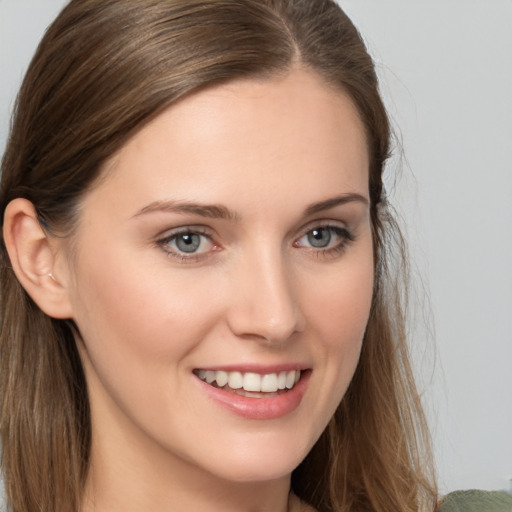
[198,305]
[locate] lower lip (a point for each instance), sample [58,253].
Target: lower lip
[259,408]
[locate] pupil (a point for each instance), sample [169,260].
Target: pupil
[188,243]
[319,237]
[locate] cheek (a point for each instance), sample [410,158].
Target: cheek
[340,303]
[136,318]
[138,328]
[338,313]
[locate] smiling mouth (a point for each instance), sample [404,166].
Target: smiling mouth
[250,384]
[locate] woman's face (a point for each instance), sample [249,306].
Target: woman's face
[228,245]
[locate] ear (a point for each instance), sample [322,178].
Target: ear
[33,256]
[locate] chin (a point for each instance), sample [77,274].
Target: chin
[266,471]
[261,462]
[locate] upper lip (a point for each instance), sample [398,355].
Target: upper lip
[256,368]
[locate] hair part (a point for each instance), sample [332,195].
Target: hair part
[102,71]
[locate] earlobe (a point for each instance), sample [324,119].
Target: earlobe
[33,259]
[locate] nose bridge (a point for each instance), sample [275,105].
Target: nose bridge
[267,304]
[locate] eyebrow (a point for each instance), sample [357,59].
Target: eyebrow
[213,211]
[216,211]
[336,201]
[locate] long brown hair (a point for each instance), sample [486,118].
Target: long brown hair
[103,70]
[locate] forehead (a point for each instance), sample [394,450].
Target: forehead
[249,135]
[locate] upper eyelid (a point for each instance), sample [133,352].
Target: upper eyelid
[211,233]
[196,229]
[349,235]
[319,223]
[169,235]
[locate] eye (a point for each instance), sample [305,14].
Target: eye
[325,238]
[187,243]
[319,237]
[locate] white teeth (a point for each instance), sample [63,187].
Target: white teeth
[281,381]
[235,380]
[290,380]
[269,383]
[250,381]
[222,379]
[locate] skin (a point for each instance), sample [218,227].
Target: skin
[256,292]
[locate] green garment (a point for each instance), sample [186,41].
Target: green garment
[477,501]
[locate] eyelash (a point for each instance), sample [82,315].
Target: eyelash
[346,237]
[163,243]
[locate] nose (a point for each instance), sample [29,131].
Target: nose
[266,303]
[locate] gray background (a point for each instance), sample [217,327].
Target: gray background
[446,74]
